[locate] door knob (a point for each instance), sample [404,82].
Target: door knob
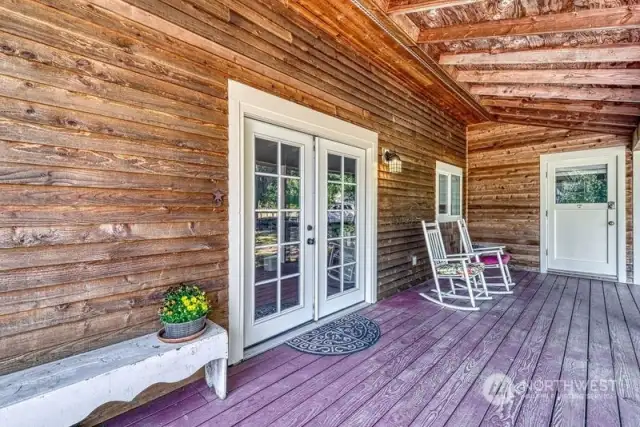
[311,241]
[612,223]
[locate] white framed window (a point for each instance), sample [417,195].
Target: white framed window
[448,192]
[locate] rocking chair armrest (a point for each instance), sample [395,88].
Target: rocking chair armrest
[460,257]
[481,249]
[487,251]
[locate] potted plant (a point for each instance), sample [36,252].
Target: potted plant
[184,312]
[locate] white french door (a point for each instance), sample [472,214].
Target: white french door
[278,202]
[582,215]
[341,235]
[304,229]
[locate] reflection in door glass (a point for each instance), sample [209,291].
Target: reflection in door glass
[266,299]
[581,184]
[334,168]
[266,192]
[277,256]
[342,193]
[290,160]
[290,289]
[266,156]
[333,281]
[349,276]
[266,228]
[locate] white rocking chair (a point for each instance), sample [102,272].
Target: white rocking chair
[453,267]
[492,257]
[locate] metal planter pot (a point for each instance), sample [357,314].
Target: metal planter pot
[186,329]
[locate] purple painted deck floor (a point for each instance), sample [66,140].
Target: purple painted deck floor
[568,347]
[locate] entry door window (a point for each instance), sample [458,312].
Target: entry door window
[581,184]
[277,236]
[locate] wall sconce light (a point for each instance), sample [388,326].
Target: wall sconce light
[392,160]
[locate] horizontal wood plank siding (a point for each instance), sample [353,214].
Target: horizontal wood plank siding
[504,183]
[113,139]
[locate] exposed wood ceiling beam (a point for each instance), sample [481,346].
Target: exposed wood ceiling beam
[573,106]
[612,130]
[583,20]
[397,8]
[617,53]
[601,119]
[616,77]
[551,92]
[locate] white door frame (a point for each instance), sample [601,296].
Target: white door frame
[245,101]
[636,217]
[619,152]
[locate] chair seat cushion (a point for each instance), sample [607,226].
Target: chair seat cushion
[493,259]
[455,269]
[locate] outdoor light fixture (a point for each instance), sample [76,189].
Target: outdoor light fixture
[392,160]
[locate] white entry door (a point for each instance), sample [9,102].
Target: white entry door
[304,229]
[279,265]
[582,215]
[341,201]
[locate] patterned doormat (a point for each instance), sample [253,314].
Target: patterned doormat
[346,335]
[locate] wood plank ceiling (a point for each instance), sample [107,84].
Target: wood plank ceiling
[559,63]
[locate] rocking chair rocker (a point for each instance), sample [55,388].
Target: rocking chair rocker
[492,257]
[453,267]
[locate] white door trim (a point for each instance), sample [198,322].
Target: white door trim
[619,152]
[636,217]
[245,101]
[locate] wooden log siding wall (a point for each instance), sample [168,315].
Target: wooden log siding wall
[504,183]
[113,137]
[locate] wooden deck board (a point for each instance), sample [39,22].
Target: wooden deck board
[570,407]
[549,364]
[431,364]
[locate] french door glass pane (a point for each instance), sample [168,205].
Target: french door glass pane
[266,228]
[291,196]
[443,193]
[266,298]
[582,184]
[349,170]
[290,160]
[266,263]
[333,281]
[291,227]
[277,255]
[349,276]
[334,168]
[290,260]
[342,194]
[266,156]
[290,289]
[266,192]
[455,194]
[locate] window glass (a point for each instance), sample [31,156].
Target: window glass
[455,194]
[582,184]
[443,194]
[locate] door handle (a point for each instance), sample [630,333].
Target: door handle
[612,223]
[311,241]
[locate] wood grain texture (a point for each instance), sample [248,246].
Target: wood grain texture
[544,331]
[575,21]
[113,138]
[504,182]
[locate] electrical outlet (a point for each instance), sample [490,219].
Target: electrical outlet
[414,260]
